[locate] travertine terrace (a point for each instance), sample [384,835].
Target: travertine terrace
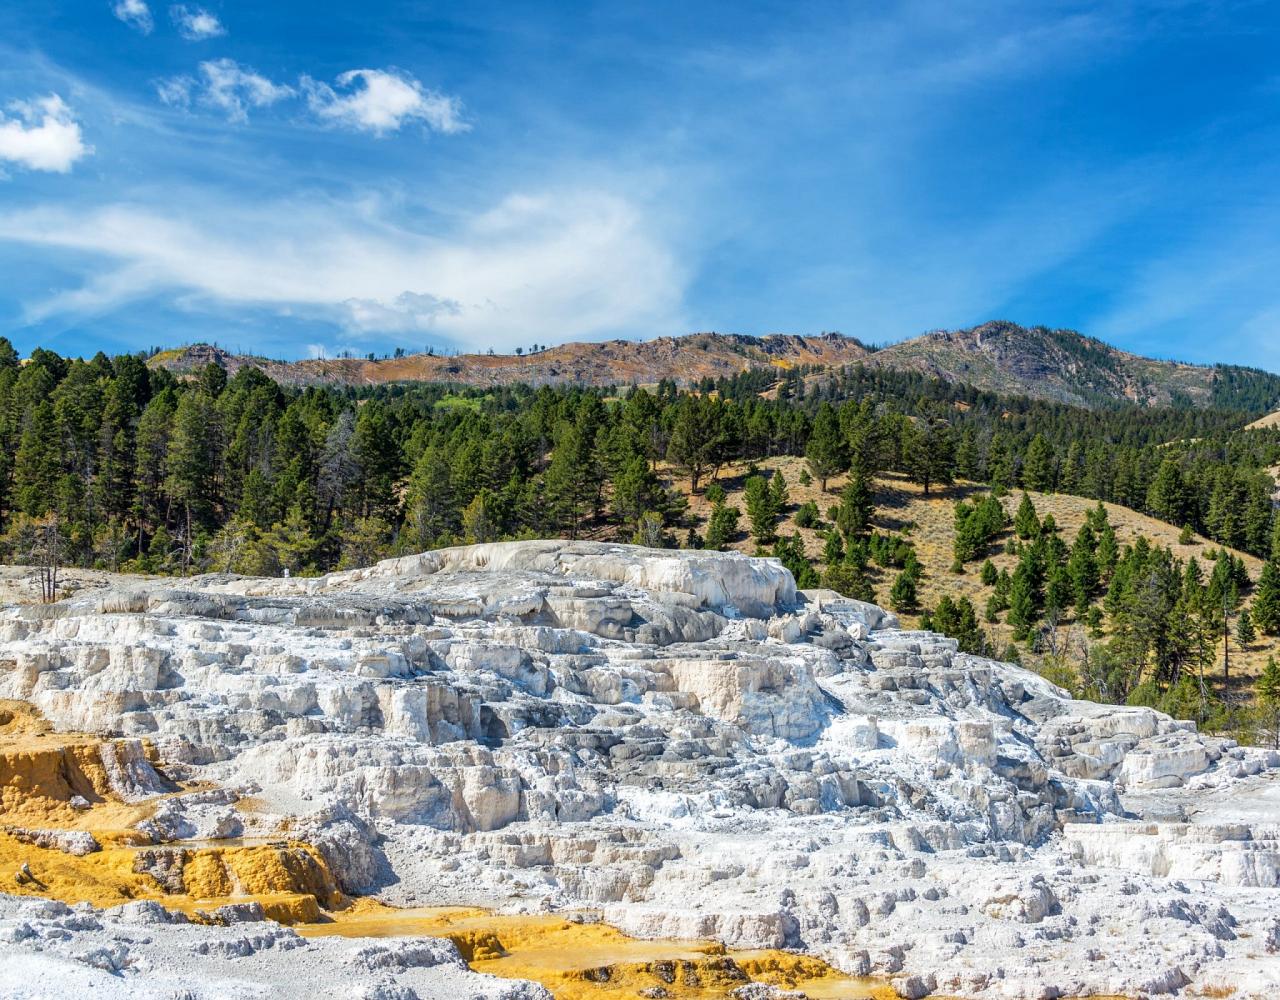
[678,744]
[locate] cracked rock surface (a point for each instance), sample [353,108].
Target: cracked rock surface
[679,741]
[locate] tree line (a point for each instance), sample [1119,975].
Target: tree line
[121,465]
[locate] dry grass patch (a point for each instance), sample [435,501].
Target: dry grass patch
[929,522]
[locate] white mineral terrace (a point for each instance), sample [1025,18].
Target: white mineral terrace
[677,742]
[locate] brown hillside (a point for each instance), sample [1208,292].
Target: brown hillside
[1058,365]
[615,362]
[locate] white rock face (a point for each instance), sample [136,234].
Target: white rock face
[687,745]
[141,952]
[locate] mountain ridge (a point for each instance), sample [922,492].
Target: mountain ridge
[998,356]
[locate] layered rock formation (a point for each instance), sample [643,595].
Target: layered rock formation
[682,744]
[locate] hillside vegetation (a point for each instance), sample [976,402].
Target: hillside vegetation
[111,464]
[901,508]
[1058,365]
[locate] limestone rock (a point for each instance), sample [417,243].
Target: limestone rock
[681,741]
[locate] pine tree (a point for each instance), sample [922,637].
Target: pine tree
[191,465]
[1266,690]
[832,548]
[649,532]
[1026,524]
[989,574]
[1245,633]
[957,619]
[695,437]
[1071,473]
[928,452]
[902,595]
[779,495]
[37,464]
[1082,570]
[373,445]
[790,551]
[479,520]
[364,542]
[825,453]
[1038,471]
[1167,497]
[1107,553]
[761,511]
[1022,603]
[432,514]
[571,478]
[1000,464]
[637,491]
[856,507]
[293,542]
[722,526]
[1266,598]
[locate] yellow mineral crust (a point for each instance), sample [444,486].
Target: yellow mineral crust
[290,880]
[41,772]
[593,961]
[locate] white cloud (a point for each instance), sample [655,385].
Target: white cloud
[380,101]
[176,91]
[195,24]
[544,267]
[226,86]
[134,13]
[373,100]
[44,135]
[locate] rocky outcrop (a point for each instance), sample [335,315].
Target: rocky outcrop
[683,743]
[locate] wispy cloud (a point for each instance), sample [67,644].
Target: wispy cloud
[43,135]
[134,13]
[544,266]
[380,101]
[226,86]
[196,24]
[366,100]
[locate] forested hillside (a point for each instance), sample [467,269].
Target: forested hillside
[113,464]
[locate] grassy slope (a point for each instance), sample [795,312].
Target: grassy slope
[902,506]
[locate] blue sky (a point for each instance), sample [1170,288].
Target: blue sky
[300,178]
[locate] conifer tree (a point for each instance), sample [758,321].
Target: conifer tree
[1022,603]
[956,618]
[928,452]
[695,438]
[37,464]
[825,453]
[1266,598]
[1038,472]
[760,510]
[903,595]
[1166,498]
[779,495]
[1026,523]
[722,525]
[856,507]
[832,548]
[1082,569]
[1245,633]
[1267,691]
